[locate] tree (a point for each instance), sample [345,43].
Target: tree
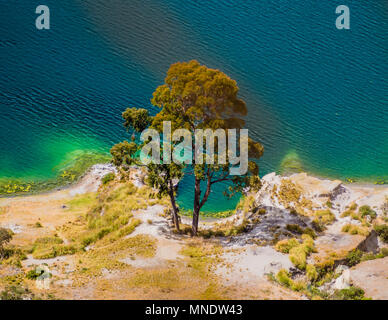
[193,97]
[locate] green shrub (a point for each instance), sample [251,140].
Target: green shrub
[286,245]
[353,257]
[353,293]
[310,232]
[353,206]
[370,256]
[382,231]
[33,274]
[108,178]
[354,229]
[324,216]
[14,292]
[5,237]
[284,278]
[329,204]
[298,255]
[295,228]
[367,211]
[311,272]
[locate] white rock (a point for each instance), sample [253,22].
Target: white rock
[343,281]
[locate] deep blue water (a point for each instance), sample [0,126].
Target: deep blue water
[311,90]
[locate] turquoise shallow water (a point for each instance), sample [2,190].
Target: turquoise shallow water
[311,89]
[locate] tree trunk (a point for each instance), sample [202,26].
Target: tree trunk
[197,196]
[175,215]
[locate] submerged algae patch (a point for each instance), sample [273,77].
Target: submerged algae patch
[291,163]
[67,173]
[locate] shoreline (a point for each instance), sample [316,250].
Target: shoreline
[89,173]
[91,180]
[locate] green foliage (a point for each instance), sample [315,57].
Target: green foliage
[367,211]
[353,206]
[310,232]
[192,97]
[283,277]
[322,219]
[311,272]
[295,228]
[353,293]
[5,237]
[14,292]
[382,231]
[370,256]
[354,229]
[286,245]
[51,247]
[123,153]
[33,274]
[354,257]
[298,254]
[246,203]
[82,201]
[108,178]
[138,119]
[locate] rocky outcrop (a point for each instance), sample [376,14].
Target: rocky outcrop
[370,243]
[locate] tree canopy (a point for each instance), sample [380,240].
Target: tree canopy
[193,97]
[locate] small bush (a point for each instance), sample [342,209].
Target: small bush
[367,211]
[324,216]
[353,293]
[310,232]
[14,292]
[353,257]
[108,178]
[5,237]
[298,255]
[38,225]
[284,278]
[353,206]
[311,272]
[295,228]
[33,274]
[370,256]
[286,245]
[353,230]
[382,231]
[329,204]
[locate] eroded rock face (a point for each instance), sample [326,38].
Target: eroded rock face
[370,244]
[272,225]
[372,276]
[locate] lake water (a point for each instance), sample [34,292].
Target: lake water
[312,91]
